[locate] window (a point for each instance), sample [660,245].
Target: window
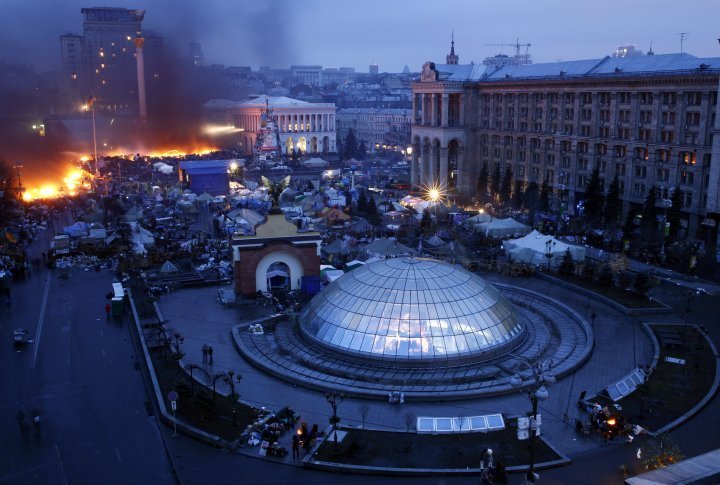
[624,115]
[568,129]
[692,119]
[551,160]
[586,98]
[694,99]
[538,97]
[687,178]
[646,98]
[508,154]
[668,98]
[688,199]
[688,158]
[569,97]
[668,117]
[640,172]
[645,135]
[521,171]
[584,130]
[550,174]
[604,132]
[639,190]
[620,169]
[586,114]
[619,150]
[582,164]
[552,98]
[496,153]
[667,136]
[569,113]
[581,181]
[646,116]
[663,175]
[604,99]
[624,97]
[624,133]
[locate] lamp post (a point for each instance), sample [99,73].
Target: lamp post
[233,396]
[334,399]
[666,203]
[541,375]
[549,244]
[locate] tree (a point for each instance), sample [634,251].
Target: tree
[594,197]
[362,204]
[506,186]
[674,212]
[496,178]
[530,199]
[660,452]
[649,217]
[426,222]
[361,151]
[482,184]
[613,205]
[544,202]
[567,265]
[516,200]
[350,145]
[371,206]
[7,199]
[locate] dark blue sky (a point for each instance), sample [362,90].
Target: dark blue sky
[393,33]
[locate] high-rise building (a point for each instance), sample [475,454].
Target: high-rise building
[196,53]
[652,121]
[101,62]
[374,69]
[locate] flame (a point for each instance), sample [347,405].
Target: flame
[75,181]
[165,152]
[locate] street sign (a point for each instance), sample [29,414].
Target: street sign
[173,405]
[172,396]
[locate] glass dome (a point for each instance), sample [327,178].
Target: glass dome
[412,309]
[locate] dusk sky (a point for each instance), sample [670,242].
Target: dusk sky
[392,33]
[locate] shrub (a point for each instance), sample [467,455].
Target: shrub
[625,279]
[643,283]
[605,275]
[588,271]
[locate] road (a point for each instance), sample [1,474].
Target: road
[80,373]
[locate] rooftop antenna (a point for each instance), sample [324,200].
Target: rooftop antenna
[683,36]
[650,52]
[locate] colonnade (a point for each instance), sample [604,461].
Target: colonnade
[305,122]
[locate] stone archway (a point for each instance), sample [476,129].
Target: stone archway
[301,145]
[326,144]
[292,262]
[313,144]
[278,276]
[289,146]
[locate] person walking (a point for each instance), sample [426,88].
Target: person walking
[107,310]
[205,351]
[210,356]
[296,447]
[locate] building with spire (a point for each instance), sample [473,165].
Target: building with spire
[452,58]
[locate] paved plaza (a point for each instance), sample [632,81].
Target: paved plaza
[620,346]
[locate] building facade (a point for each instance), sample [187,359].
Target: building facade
[652,121]
[379,128]
[305,127]
[102,61]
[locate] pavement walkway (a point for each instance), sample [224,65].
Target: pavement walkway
[621,345]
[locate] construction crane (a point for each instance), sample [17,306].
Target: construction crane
[517,45]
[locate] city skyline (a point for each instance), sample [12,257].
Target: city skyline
[277,33]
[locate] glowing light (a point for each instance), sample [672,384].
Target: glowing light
[434,195]
[611,422]
[233,166]
[215,130]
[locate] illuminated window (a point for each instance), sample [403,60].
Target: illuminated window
[73,76]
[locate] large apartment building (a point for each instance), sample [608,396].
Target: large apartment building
[651,120]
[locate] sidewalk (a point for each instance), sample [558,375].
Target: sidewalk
[620,346]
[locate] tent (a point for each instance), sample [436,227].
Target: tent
[334,216]
[478,219]
[168,268]
[316,163]
[78,229]
[533,249]
[336,247]
[387,248]
[501,228]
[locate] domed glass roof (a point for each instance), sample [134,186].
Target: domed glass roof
[412,309]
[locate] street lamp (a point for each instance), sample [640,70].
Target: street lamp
[549,244]
[666,203]
[233,396]
[334,399]
[542,374]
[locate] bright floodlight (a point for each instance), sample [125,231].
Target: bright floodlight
[233,166]
[434,194]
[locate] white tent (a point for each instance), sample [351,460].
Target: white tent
[533,249]
[503,228]
[477,219]
[316,162]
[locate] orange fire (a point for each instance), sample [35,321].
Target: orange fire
[162,152]
[75,181]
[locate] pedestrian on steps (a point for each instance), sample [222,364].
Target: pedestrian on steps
[210,352]
[205,351]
